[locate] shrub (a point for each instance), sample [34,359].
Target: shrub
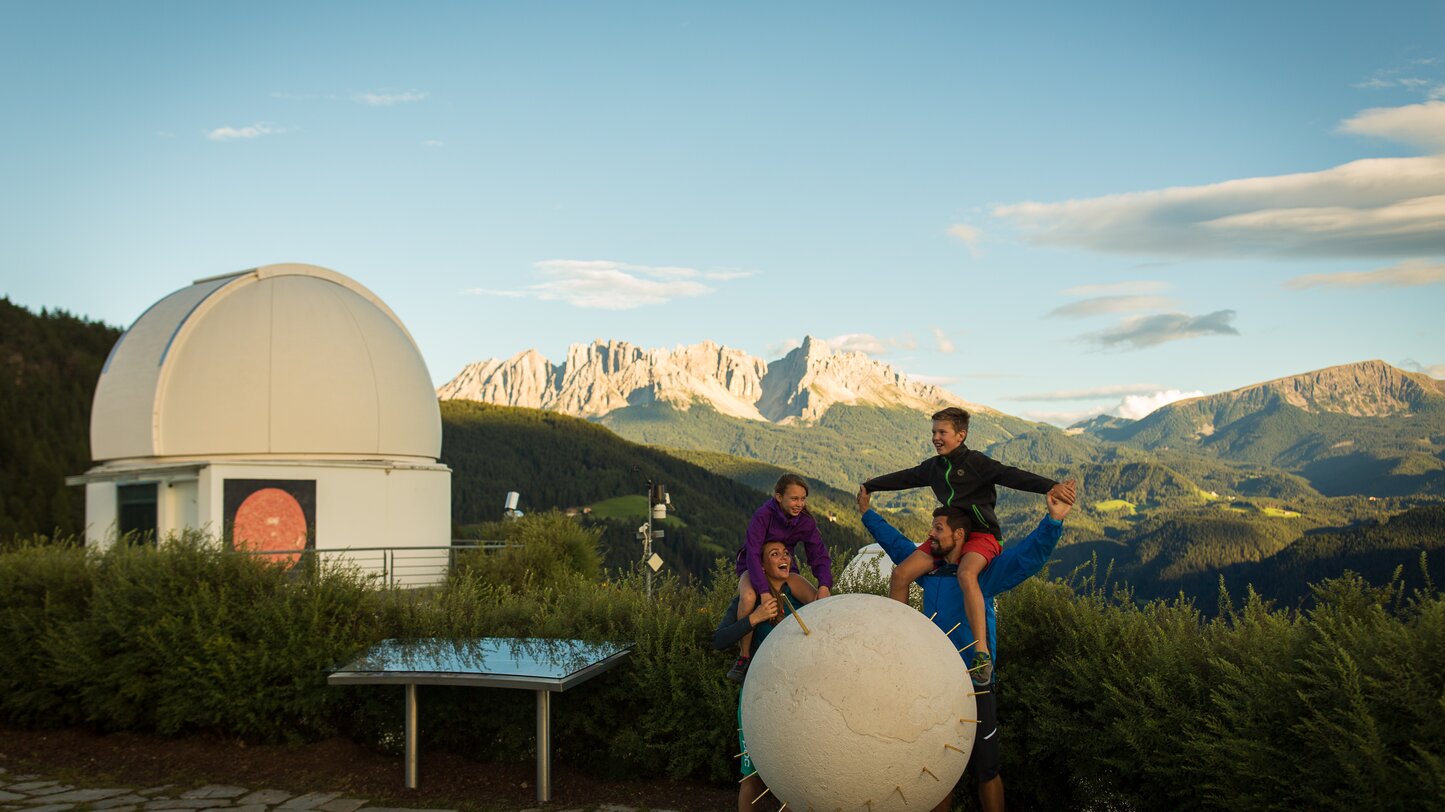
[1103,702]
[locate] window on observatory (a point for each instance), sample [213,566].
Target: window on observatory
[136,511]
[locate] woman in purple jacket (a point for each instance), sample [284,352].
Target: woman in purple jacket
[784,518]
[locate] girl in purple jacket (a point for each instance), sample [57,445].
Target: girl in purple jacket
[783,518]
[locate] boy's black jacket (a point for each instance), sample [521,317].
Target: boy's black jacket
[964,479]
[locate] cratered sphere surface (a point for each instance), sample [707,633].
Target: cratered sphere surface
[872,709]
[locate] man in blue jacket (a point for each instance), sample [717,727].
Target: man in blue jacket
[943,601]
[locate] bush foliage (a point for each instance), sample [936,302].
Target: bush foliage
[1104,702]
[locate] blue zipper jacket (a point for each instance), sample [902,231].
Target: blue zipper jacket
[942,597]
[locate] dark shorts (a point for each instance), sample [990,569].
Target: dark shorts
[747,765]
[984,761]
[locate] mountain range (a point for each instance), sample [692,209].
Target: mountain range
[599,378]
[1366,428]
[1276,484]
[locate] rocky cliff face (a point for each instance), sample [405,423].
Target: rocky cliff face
[1365,389]
[601,377]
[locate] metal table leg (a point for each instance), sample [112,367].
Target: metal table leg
[544,746]
[410,763]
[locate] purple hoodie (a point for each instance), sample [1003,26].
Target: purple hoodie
[770,523]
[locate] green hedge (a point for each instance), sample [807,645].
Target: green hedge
[1104,703]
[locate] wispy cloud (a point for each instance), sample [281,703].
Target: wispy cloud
[608,285]
[780,348]
[1093,393]
[382,98]
[933,380]
[1407,76]
[1108,305]
[1062,418]
[866,343]
[1372,207]
[1141,332]
[432,142]
[869,344]
[1408,274]
[1134,288]
[236,133]
[1433,370]
[966,234]
[942,341]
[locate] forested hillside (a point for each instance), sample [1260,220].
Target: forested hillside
[49,363]
[1367,428]
[556,461]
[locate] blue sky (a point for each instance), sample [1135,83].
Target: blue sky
[1045,207]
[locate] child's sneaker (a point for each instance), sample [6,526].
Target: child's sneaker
[982,671]
[739,669]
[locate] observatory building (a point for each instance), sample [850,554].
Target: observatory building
[280,408]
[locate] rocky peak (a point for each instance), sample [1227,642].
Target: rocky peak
[1363,389]
[600,377]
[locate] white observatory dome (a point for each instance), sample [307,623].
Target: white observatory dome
[284,360]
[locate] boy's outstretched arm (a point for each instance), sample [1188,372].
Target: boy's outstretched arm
[916,477]
[1011,477]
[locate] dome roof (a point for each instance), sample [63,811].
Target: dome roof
[284,360]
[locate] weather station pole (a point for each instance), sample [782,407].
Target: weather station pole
[658,500]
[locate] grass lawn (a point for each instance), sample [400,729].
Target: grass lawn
[1114,506]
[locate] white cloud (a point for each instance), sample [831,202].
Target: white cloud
[781,348]
[1093,393]
[1135,407]
[1408,274]
[865,343]
[432,142]
[1139,332]
[1136,287]
[1102,305]
[869,344]
[1433,370]
[387,99]
[254,131]
[1063,418]
[607,285]
[966,234]
[1422,125]
[1372,207]
[942,341]
[933,380]
[728,274]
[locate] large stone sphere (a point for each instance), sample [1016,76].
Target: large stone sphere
[861,713]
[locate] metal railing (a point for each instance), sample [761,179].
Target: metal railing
[395,566]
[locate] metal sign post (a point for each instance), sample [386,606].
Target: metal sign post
[657,501]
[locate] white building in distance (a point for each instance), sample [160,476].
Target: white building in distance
[280,408]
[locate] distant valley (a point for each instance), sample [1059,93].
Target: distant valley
[1230,484]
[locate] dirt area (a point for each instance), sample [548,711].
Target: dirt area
[124,759]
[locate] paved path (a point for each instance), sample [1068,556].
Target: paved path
[35,793]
